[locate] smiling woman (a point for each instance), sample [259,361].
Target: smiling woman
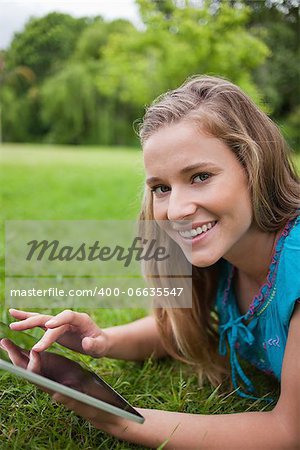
[214,199]
[212,158]
[217,158]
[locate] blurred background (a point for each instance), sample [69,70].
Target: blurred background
[80,73]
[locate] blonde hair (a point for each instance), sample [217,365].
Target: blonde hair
[222,110]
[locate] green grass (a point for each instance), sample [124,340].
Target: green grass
[44,182]
[63,183]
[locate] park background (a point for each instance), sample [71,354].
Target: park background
[71,93]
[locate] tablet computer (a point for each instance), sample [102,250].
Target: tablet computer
[67,377]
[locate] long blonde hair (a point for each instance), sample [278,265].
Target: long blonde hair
[225,112]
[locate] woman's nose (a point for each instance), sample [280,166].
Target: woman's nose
[180,206]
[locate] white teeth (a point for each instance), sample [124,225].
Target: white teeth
[185,234]
[195,231]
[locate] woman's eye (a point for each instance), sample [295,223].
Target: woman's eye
[201,177]
[159,190]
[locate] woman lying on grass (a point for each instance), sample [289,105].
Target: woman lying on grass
[211,157]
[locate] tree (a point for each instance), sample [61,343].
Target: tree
[85,115]
[45,43]
[142,64]
[94,37]
[14,114]
[69,104]
[44,46]
[278,24]
[96,76]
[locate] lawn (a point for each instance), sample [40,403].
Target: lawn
[44,182]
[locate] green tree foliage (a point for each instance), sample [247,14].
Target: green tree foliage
[69,103]
[176,44]
[45,43]
[17,95]
[92,78]
[94,38]
[278,25]
[44,46]
[73,107]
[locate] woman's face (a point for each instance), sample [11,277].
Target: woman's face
[195,177]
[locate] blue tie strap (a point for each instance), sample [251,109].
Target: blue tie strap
[255,335]
[235,330]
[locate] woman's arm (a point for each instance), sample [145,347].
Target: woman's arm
[247,431]
[274,430]
[135,341]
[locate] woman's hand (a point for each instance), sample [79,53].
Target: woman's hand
[28,360]
[47,364]
[20,357]
[71,329]
[99,419]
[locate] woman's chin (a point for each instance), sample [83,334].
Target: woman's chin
[200,259]
[203,262]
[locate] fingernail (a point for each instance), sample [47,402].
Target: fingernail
[50,322]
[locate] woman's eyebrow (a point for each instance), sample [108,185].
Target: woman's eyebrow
[205,165]
[198,166]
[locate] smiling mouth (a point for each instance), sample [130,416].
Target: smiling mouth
[190,234]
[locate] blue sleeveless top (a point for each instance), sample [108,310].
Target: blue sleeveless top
[260,335]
